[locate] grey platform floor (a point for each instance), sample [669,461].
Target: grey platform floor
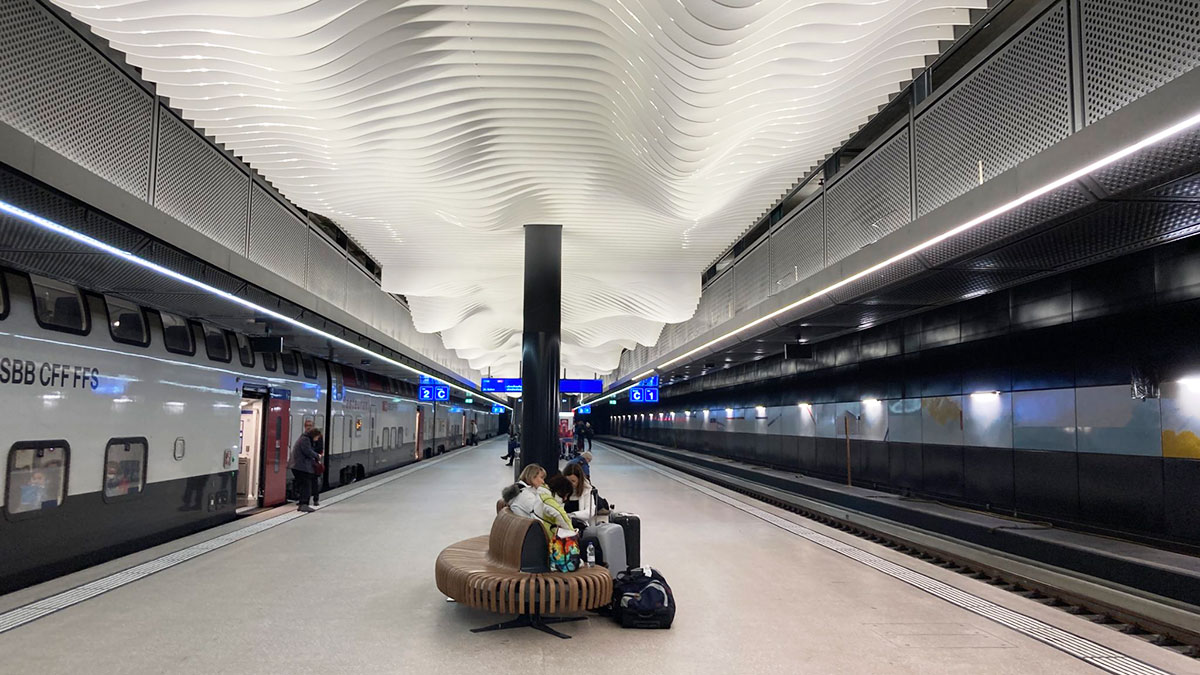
[349,589]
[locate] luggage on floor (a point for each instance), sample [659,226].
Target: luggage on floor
[631,524]
[609,540]
[642,599]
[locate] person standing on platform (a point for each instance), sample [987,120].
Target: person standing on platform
[474,433]
[588,432]
[319,448]
[303,463]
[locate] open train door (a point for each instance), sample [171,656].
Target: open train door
[275,450]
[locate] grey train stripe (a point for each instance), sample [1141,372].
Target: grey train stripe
[1081,648]
[33,611]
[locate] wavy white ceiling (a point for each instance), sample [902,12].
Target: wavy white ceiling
[654,131]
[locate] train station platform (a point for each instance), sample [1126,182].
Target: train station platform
[349,589]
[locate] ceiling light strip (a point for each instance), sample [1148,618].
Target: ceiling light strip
[57,228]
[1173,130]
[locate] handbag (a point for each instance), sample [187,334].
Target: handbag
[602,505]
[318,468]
[564,553]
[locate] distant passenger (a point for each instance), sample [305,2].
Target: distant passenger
[303,465]
[474,433]
[115,484]
[588,432]
[585,462]
[319,448]
[513,443]
[579,503]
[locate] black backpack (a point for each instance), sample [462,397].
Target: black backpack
[642,599]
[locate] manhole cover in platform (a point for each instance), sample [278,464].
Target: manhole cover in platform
[937,636]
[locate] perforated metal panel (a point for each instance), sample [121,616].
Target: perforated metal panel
[58,90]
[1119,229]
[278,240]
[1152,166]
[1131,47]
[326,271]
[1015,105]
[798,248]
[199,186]
[870,201]
[720,299]
[360,295]
[892,274]
[751,278]
[1062,201]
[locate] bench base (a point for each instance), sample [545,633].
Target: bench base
[532,621]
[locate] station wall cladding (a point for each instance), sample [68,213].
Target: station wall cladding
[1074,400]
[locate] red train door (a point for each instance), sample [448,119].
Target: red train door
[275,450]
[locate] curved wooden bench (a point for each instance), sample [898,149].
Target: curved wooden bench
[508,572]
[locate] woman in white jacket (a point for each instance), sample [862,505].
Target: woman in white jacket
[529,501]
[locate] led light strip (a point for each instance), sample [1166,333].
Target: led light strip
[52,226]
[1089,651]
[1162,135]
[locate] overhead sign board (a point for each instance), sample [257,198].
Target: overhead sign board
[584,409]
[612,401]
[501,385]
[425,379]
[497,409]
[643,395]
[651,381]
[455,409]
[580,386]
[433,393]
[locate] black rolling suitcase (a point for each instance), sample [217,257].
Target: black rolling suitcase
[631,524]
[642,599]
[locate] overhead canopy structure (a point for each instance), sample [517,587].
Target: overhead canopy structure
[654,131]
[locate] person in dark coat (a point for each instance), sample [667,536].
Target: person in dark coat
[303,463]
[319,448]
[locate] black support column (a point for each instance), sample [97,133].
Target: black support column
[540,346]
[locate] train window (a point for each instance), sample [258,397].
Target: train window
[126,322]
[124,468]
[400,437]
[177,334]
[245,353]
[179,449]
[37,476]
[216,344]
[269,362]
[310,367]
[387,438]
[288,360]
[59,306]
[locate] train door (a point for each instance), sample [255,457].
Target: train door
[275,451]
[249,452]
[420,433]
[374,436]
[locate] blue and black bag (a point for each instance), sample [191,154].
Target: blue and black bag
[642,599]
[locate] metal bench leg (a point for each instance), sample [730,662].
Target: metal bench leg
[532,621]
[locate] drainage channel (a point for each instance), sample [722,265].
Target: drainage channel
[1089,651]
[25,614]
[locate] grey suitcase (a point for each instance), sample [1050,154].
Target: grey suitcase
[609,540]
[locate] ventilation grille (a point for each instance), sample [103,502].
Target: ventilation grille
[871,201]
[199,186]
[720,296]
[59,91]
[1011,108]
[751,282]
[798,248]
[1132,47]
[278,241]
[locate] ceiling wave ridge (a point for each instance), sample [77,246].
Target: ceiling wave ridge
[654,131]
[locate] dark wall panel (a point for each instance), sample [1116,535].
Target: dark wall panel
[1124,492]
[1046,482]
[988,476]
[1181,497]
[942,470]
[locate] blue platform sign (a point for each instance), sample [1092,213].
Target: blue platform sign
[501,385]
[497,409]
[425,379]
[580,386]
[643,395]
[455,409]
[433,393]
[651,381]
[584,409]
